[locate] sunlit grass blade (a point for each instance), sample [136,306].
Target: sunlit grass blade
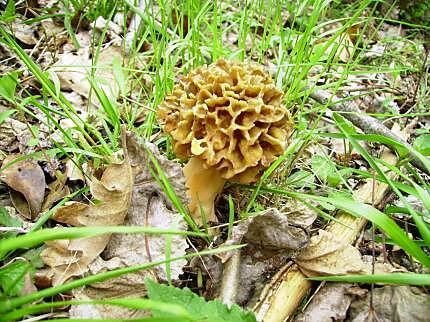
[392,278]
[162,179]
[347,130]
[381,220]
[131,303]
[37,237]
[288,152]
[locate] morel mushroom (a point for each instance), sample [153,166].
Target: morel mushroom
[229,118]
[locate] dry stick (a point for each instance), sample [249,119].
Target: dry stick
[282,302]
[366,123]
[230,279]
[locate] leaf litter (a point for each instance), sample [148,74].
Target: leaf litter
[273,237]
[27,182]
[120,250]
[149,207]
[112,192]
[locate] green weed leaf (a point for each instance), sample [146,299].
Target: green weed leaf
[9,13]
[4,115]
[8,86]
[422,144]
[6,220]
[301,179]
[12,277]
[326,171]
[196,306]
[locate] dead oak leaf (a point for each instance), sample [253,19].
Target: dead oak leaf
[13,135]
[329,255]
[149,207]
[69,258]
[25,177]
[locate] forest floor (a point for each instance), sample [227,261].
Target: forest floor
[323,215]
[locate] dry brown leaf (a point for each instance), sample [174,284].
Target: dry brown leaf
[271,230]
[149,207]
[73,172]
[73,69]
[57,191]
[26,33]
[69,258]
[13,135]
[331,303]
[328,255]
[272,239]
[27,178]
[392,304]
[29,286]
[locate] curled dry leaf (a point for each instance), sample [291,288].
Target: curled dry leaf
[73,173]
[271,230]
[25,177]
[149,207]
[331,303]
[272,238]
[26,33]
[392,304]
[69,258]
[328,255]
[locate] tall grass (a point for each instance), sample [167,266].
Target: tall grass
[298,41]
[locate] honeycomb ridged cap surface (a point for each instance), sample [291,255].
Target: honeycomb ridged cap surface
[229,114]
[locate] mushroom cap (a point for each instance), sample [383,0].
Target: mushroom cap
[230,115]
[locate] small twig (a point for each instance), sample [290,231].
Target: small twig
[230,279]
[14,229]
[368,124]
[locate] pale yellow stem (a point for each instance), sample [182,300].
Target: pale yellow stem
[203,186]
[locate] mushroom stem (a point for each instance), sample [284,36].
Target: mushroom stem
[203,186]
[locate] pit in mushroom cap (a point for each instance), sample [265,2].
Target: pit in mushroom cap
[229,116]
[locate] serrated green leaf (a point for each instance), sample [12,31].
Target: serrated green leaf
[196,306]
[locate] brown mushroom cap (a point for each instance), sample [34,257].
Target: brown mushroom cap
[230,115]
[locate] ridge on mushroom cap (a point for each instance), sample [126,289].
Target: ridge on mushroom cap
[230,115]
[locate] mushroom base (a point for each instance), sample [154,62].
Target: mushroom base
[203,184]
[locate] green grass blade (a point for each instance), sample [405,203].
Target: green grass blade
[392,278]
[131,303]
[35,238]
[347,130]
[384,222]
